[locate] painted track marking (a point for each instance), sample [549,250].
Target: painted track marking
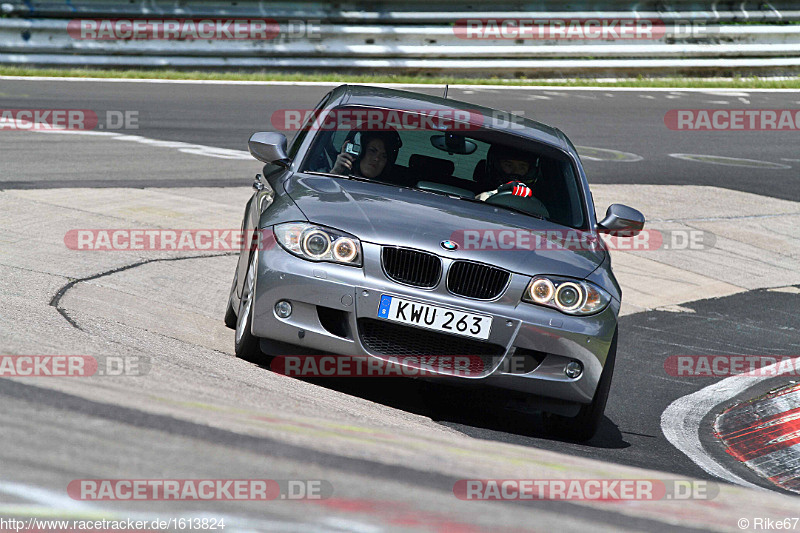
[680,421]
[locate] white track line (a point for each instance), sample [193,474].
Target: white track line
[44,497]
[730,161]
[680,421]
[716,90]
[183,147]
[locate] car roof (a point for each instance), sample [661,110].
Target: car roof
[371,96]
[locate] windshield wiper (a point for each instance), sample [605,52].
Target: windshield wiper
[329,174]
[475,200]
[441,193]
[345,176]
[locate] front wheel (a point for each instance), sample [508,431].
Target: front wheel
[230,314]
[584,425]
[247,345]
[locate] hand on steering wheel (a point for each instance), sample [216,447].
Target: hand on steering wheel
[517,188]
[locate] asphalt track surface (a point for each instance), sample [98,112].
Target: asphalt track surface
[105,439]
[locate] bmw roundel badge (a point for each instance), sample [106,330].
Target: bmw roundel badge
[448,245]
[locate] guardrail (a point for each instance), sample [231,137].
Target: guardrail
[414,36]
[411,11]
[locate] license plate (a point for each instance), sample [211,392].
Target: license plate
[435,317]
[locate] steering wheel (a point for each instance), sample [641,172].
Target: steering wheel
[528,204]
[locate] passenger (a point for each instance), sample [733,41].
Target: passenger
[378,153]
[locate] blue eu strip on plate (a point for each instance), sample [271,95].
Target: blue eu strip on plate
[383,310]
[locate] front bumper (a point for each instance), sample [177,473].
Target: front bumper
[331,303]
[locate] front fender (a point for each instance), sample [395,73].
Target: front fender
[264,209]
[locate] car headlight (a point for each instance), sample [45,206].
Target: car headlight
[318,243]
[574,297]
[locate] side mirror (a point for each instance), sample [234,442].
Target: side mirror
[622,220]
[269,147]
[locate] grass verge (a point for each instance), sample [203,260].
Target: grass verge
[710,83]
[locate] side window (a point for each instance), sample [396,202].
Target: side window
[301,134]
[338,137]
[574,196]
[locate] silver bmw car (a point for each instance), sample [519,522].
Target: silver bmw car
[400,226]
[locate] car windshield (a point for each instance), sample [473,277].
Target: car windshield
[445,156]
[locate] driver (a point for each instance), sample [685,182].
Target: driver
[378,153]
[508,169]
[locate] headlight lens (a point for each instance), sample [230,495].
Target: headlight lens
[345,249]
[574,297]
[542,290]
[569,296]
[318,243]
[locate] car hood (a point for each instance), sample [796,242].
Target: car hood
[397,216]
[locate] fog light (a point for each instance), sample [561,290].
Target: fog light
[283,309]
[573,369]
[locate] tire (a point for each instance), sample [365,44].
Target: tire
[230,314]
[584,425]
[246,345]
